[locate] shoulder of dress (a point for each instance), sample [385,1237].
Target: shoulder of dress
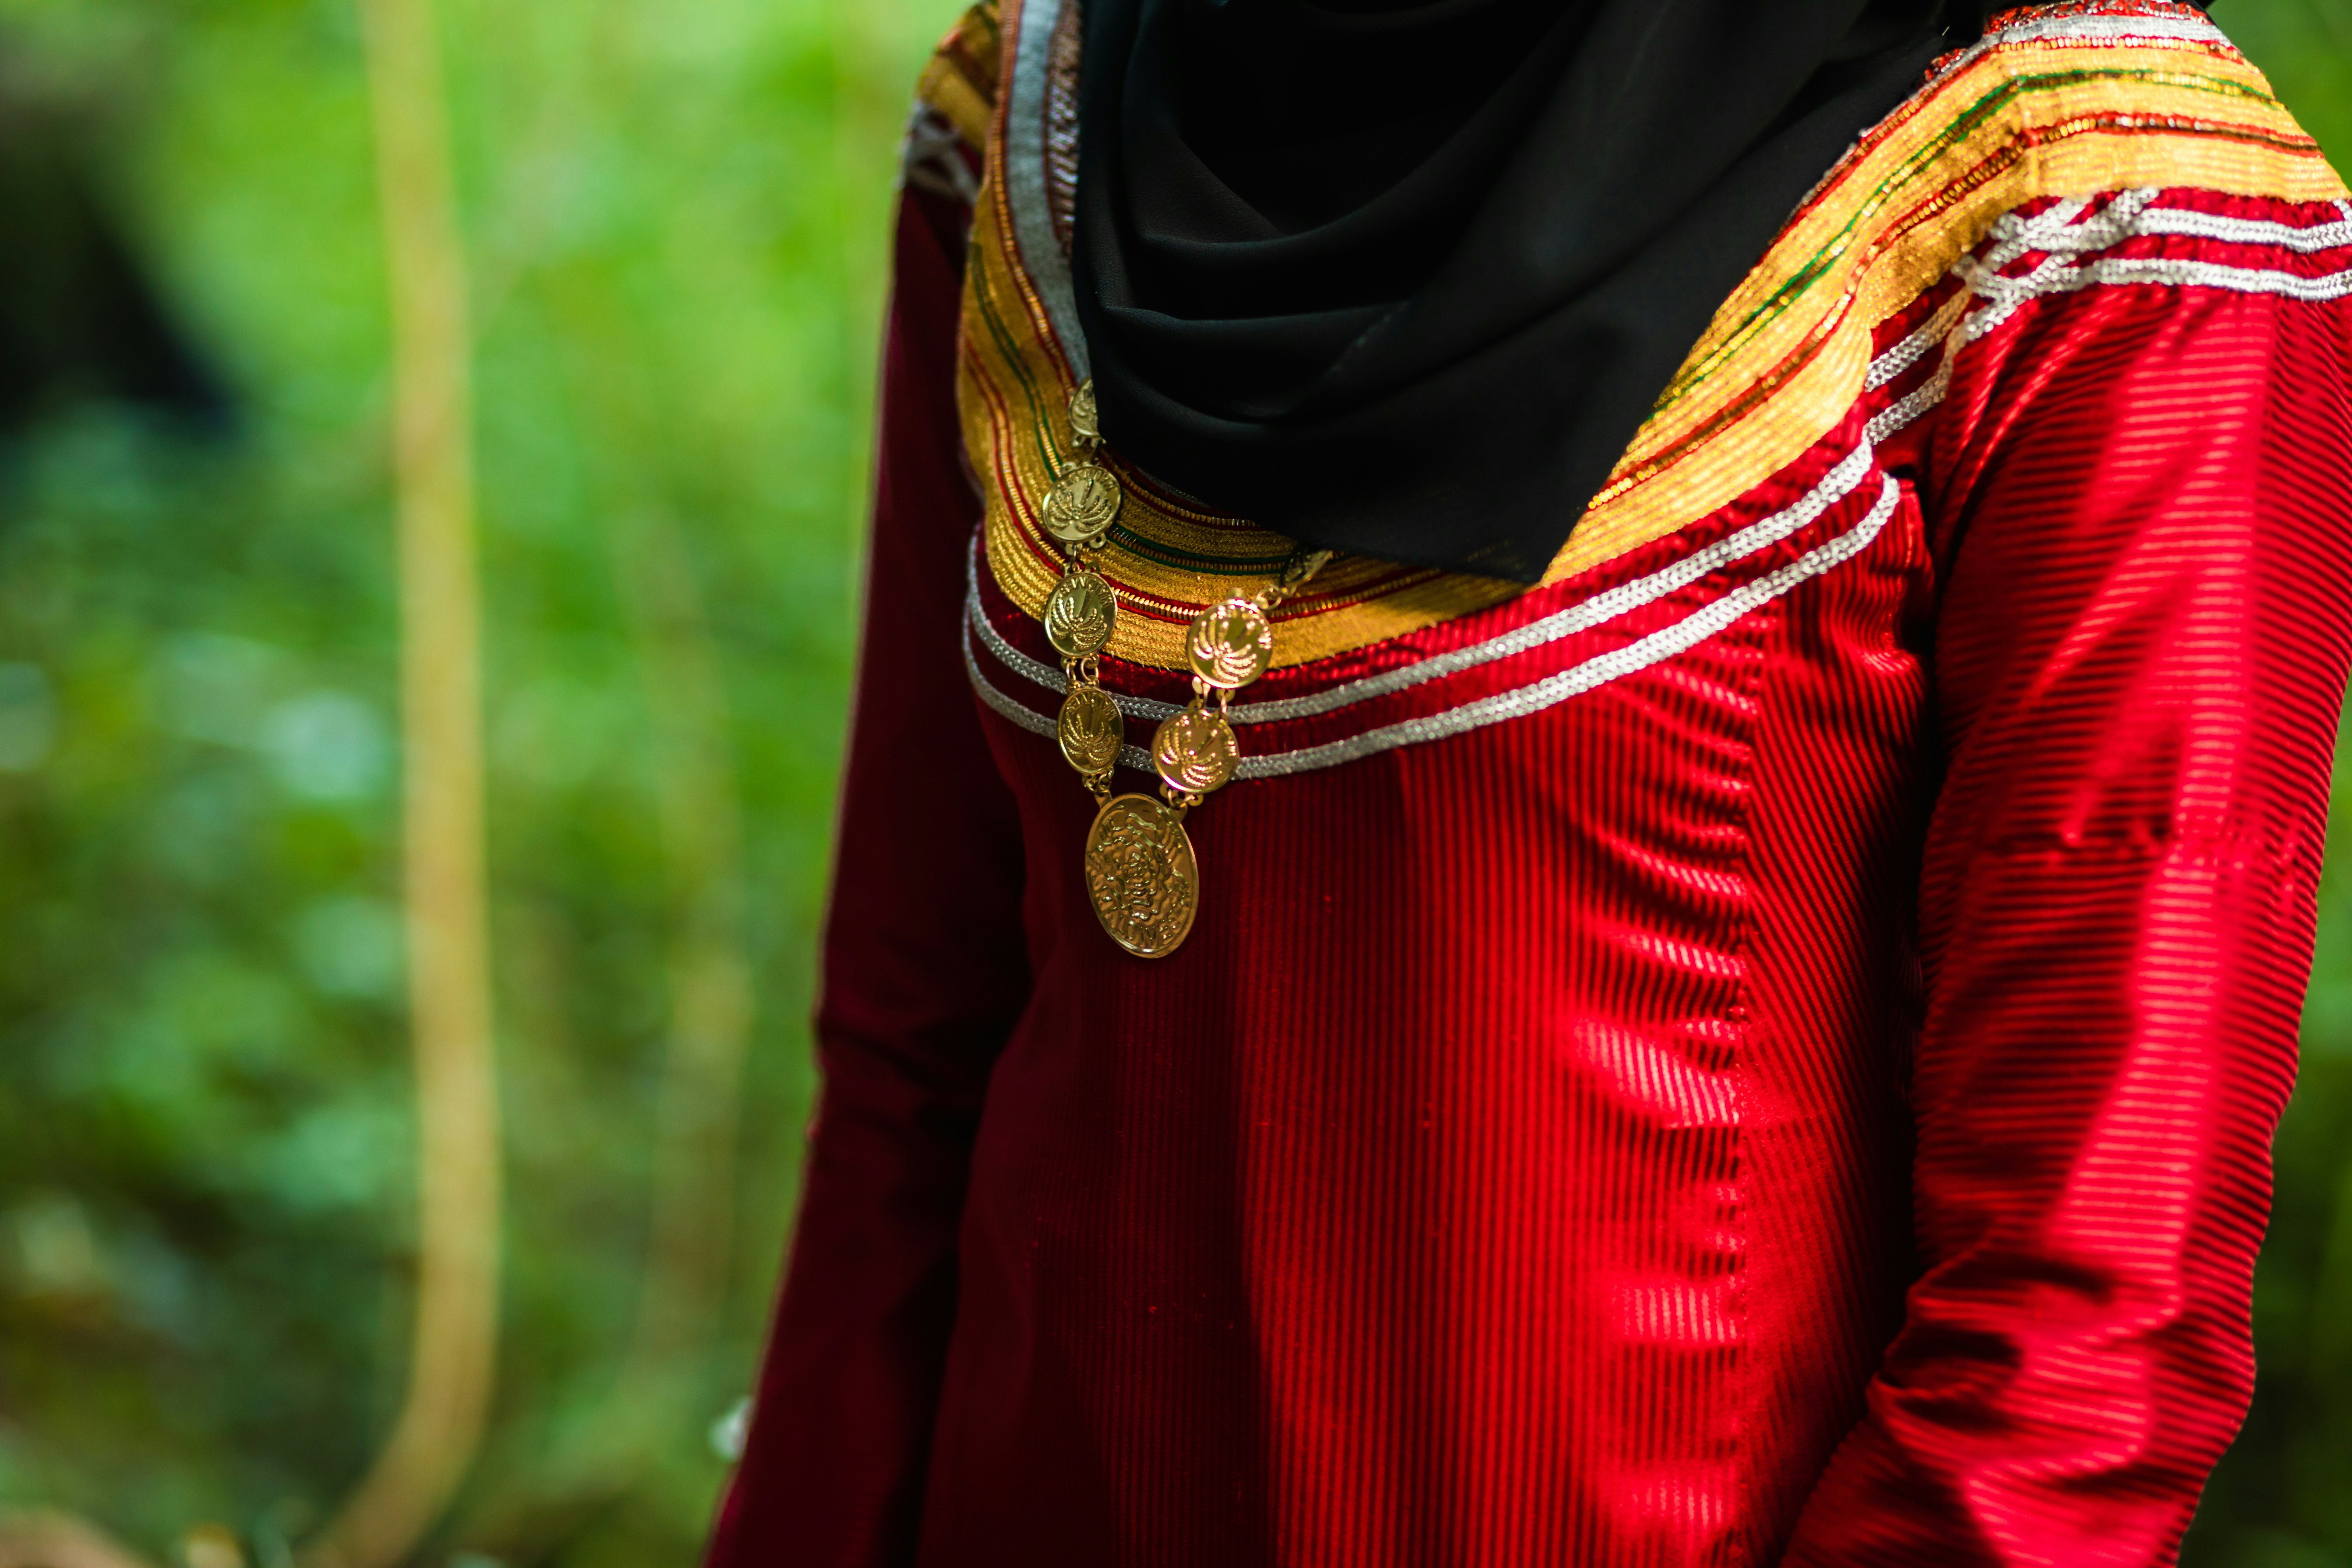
[2064,101]
[2054,102]
[2107,94]
[959,83]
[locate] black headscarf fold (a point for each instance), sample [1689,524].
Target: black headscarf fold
[1404,279]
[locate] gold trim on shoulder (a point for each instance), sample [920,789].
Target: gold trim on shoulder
[960,80]
[1781,363]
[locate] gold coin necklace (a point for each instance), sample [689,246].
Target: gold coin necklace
[1142,875]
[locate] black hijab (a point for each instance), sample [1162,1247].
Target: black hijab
[1403,277]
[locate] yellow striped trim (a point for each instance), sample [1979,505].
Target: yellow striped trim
[1013,390]
[1904,207]
[1780,366]
[959,81]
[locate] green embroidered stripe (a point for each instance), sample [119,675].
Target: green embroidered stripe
[2009,92]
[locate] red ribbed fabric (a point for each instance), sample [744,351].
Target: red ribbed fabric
[923,974]
[2141,501]
[1804,1100]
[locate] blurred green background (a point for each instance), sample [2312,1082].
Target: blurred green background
[677,216]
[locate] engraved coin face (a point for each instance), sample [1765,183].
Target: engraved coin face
[1083,423]
[1141,877]
[1231,644]
[1080,614]
[1089,731]
[1082,503]
[1195,752]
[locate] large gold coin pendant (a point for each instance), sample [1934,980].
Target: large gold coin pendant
[1140,875]
[1081,612]
[1084,423]
[1231,644]
[1090,731]
[1083,502]
[1195,752]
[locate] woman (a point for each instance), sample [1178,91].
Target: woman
[1673,954]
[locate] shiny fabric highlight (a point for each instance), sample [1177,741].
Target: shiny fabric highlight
[1804,1101]
[1572,1219]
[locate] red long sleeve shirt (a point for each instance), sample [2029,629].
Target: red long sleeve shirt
[1762,1049]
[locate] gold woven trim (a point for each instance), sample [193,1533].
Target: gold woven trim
[960,80]
[1900,213]
[1780,366]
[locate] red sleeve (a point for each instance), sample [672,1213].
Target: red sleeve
[2140,501]
[923,974]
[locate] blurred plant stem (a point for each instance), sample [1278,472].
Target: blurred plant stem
[454,1341]
[47,1539]
[2331,1295]
[661,1398]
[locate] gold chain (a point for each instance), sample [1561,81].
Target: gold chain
[1082,612]
[1141,874]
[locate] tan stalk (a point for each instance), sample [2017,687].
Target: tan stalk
[44,1538]
[455,1346]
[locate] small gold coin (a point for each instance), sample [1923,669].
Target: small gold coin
[1090,731]
[1080,614]
[1083,502]
[1140,875]
[1195,752]
[1083,421]
[1231,644]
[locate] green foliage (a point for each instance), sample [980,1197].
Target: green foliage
[2282,1497]
[677,215]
